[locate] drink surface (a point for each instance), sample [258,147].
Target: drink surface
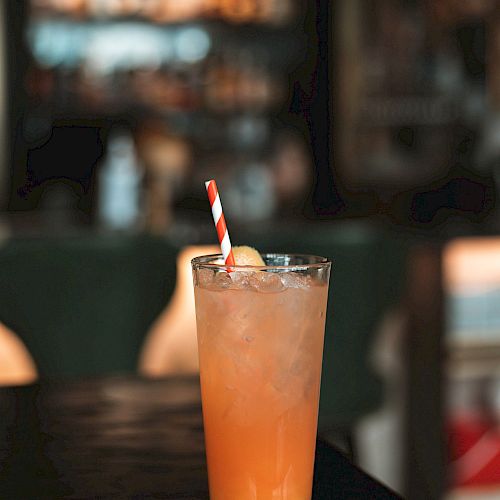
[260,338]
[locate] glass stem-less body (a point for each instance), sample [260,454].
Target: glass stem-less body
[260,350]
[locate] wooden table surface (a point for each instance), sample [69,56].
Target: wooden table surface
[126,437]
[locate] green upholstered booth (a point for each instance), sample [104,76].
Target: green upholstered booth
[82,305]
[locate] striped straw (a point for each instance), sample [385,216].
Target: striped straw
[220,222]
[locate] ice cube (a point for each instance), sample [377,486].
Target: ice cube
[294,280]
[239,279]
[205,277]
[266,282]
[222,280]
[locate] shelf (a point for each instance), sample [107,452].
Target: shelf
[472,359]
[104,46]
[410,110]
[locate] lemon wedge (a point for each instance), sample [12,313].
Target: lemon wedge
[247,256]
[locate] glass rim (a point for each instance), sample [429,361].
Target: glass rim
[318,262]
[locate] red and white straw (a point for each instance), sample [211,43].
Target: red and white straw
[220,222]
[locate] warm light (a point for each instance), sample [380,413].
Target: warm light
[172,11]
[472,264]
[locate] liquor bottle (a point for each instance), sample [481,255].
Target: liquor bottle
[119,184]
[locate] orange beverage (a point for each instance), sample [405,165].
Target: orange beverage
[260,340]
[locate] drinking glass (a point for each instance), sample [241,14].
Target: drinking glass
[260,342]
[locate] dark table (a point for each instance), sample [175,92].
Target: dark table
[126,437]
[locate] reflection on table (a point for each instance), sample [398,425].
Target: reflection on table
[124,437]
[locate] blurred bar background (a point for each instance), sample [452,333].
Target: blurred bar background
[364,130]
[268,95]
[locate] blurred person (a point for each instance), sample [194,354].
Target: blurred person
[384,428]
[16,365]
[171,344]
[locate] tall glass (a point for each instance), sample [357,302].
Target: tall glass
[260,340]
